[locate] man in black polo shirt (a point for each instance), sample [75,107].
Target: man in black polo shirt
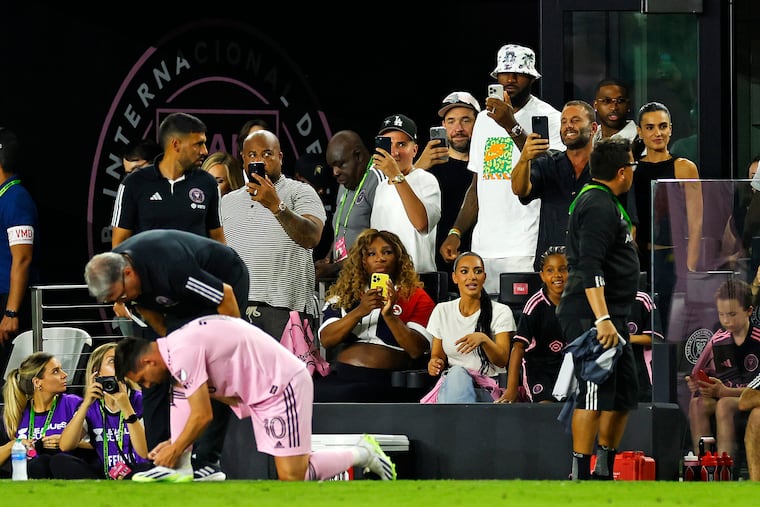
[603,267]
[173,277]
[173,193]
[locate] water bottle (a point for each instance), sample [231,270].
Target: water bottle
[726,465]
[691,468]
[709,467]
[18,458]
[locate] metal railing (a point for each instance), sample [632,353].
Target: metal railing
[71,305]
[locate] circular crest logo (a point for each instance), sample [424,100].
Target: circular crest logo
[750,362]
[695,343]
[222,71]
[556,346]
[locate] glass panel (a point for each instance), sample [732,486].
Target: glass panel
[687,299]
[655,53]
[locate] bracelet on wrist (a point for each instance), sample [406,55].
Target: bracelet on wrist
[456,232]
[602,319]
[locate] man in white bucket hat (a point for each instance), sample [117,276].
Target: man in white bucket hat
[505,231]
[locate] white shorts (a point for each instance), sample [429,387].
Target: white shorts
[282,424]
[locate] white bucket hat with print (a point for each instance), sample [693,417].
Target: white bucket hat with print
[518,59]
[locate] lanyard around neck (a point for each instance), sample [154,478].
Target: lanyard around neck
[589,186]
[8,185]
[47,419]
[119,435]
[353,201]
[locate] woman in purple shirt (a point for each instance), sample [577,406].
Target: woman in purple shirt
[111,415]
[37,409]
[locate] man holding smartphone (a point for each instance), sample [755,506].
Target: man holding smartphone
[274,223]
[449,166]
[408,201]
[553,176]
[505,232]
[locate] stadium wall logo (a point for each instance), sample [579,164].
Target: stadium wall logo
[225,73]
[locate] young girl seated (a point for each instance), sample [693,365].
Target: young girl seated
[537,347]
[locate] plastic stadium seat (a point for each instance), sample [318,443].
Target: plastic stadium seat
[68,344]
[515,288]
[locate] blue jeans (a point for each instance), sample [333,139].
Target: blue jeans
[458,387]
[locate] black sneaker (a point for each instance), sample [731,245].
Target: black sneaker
[209,473]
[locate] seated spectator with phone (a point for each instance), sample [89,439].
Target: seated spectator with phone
[553,176]
[374,334]
[725,367]
[111,415]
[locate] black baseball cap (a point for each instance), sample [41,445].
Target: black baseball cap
[402,123]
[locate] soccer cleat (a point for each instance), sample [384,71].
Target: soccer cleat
[183,472]
[209,473]
[163,474]
[378,462]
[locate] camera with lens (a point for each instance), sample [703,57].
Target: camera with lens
[110,384]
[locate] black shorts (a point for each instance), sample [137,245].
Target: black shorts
[541,382]
[621,389]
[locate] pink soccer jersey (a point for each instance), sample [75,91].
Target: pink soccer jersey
[235,358]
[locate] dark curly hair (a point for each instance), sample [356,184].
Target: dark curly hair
[353,278]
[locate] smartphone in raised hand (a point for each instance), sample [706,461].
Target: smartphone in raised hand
[540,126]
[379,281]
[256,168]
[440,134]
[383,142]
[496,91]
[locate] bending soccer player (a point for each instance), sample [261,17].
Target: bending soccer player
[239,364]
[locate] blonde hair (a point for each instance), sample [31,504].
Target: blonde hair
[232,164]
[19,389]
[94,362]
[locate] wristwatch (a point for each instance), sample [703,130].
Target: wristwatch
[10,313]
[280,208]
[399,178]
[132,419]
[516,131]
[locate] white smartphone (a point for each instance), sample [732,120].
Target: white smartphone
[439,133]
[496,91]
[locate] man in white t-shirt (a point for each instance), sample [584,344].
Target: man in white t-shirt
[237,363]
[505,232]
[407,200]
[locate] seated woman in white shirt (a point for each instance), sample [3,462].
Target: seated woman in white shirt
[471,337]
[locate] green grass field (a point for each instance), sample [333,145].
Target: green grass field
[376,493]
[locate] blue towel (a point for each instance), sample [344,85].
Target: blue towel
[593,363]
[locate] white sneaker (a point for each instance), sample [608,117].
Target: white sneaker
[163,474]
[378,462]
[183,472]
